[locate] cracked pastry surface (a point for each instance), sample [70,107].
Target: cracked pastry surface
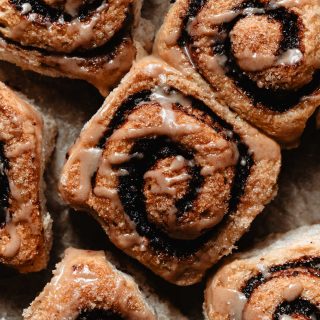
[173,177]
[25,230]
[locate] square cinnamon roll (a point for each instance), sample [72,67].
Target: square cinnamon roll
[260,58]
[82,39]
[173,177]
[277,279]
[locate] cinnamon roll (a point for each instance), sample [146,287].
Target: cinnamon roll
[89,40]
[261,58]
[86,286]
[25,225]
[278,280]
[174,178]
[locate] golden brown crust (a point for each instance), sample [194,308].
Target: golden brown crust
[25,236]
[192,132]
[98,48]
[282,271]
[85,281]
[254,44]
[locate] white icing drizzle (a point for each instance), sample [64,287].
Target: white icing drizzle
[163,183]
[287,3]
[292,291]
[110,193]
[264,270]
[177,163]
[13,246]
[24,210]
[247,60]
[252,61]
[290,57]
[223,17]
[20,148]
[83,31]
[285,317]
[106,171]
[223,159]
[26,8]
[76,276]
[169,125]
[154,70]
[227,301]
[219,154]
[88,162]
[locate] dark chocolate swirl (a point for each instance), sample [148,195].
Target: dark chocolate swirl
[154,148]
[98,314]
[276,99]
[299,306]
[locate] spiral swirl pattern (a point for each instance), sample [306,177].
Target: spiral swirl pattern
[87,286]
[261,58]
[171,174]
[24,227]
[279,283]
[89,40]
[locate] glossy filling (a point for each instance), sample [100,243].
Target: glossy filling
[299,306]
[279,100]
[155,148]
[53,14]
[98,314]
[4,186]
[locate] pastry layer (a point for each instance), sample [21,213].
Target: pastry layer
[276,280]
[25,232]
[86,286]
[84,40]
[260,58]
[174,178]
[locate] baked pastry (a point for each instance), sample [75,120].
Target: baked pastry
[25,143]
[260,58]
[88,40]
[279,279]
[174,178]
[86,286]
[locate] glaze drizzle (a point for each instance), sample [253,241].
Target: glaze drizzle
[278,100]
[155,148]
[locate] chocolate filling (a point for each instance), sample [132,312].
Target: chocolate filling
[52,14]
[279,100]
[4,185]
[131,186]
[108,50]
[298,306]
[99,314]
[256,281]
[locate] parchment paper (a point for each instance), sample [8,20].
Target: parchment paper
[72,103]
